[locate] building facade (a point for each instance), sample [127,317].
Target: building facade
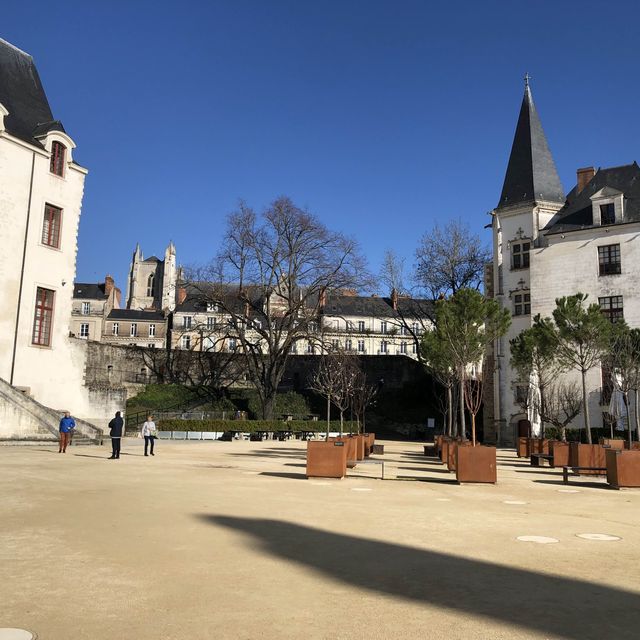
[547,245]
[92,303]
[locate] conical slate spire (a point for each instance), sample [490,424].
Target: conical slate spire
[531,173]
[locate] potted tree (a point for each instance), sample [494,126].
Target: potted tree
[465,324]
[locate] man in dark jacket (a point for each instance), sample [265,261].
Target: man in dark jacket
[115,429]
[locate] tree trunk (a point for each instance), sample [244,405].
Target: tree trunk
[268,405]
[328,414]
[626,406]
[473,429]
[585,407]
[463,426]
[341,423]
[449,411]
[637,415]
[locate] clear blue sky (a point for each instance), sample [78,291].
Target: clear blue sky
[380,117]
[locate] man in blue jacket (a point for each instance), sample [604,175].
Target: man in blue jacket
[67,425]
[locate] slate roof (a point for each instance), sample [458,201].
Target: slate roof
[135,314]
[22,94]
[531,173]
[89,291]
[577,211]
[375,306]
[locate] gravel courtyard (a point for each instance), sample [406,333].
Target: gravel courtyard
[230,540]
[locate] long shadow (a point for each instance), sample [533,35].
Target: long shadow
[426,469]
[290,476]
[86,455]
[429,480]
[578,483]
[294,464]
[552,605]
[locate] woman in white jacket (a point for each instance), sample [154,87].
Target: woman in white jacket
[149,433]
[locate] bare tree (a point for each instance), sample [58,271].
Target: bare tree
[562,404]
[392,272]
[326,381]
[473,400]
[450,258]
[363,395]
[270,277]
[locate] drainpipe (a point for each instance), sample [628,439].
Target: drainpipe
[24,258]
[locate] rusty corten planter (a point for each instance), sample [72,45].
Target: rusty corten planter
[451,453]
[587,455]
[369,439]
[623,468]
[438,443]
[522,449]
[560,453]
[326,459]
[612,443]
[538,445]
[359,446]
[352,450]
[476,464]
[444,450]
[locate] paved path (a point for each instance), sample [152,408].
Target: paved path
[229,540]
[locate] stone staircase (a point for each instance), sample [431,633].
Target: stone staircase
[24,420]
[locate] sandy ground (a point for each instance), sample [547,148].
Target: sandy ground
[230,540]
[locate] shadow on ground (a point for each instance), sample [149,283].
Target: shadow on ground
[552,605]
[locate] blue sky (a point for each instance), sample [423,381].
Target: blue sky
[380,117]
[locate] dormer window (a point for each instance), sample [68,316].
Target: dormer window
[58,155]
[607,213]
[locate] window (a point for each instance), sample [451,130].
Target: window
[414,348]
[84,330]
[150,286]
[134,329]
[294,347]
[383,346]
[403,330]
[185,342]
[360,346]
[115,329]
[361,325]
[349,325]
[522,304]
[86,308]
[611,307]
[152,330]
[212,307]
[335,344]
[607,213]
[257,324]
[609,259]
[311,348]
[51,226]
[186,322]
[152,346]
[414,328]
[313,327]
[521,394]
[403,347]
[233,344]
[348,345]
[58,153]
[520,255]
[43,317]
[383,327]
[211,323]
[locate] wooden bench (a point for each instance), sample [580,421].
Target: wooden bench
[601,471]
[537,458]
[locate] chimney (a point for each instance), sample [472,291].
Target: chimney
[394,299]
[182,295]
[108,285]
[584,176]
[322,300]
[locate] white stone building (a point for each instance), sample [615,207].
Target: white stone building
[41,189]
[546,246]
[92,303]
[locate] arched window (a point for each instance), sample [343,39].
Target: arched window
[58,154]
[150,286]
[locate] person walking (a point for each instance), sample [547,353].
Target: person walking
[149,433]
[67,425]
[115,429]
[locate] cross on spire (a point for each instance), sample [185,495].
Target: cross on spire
[527,77]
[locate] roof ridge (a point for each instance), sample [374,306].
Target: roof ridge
[13,46]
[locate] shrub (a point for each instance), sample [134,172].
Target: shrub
[251,426]
[290,403]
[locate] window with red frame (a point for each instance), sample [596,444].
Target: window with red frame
[58,153]
[43,318]
[51,226]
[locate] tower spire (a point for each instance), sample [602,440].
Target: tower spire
[531,173]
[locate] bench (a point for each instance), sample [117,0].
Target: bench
[430,450]
[377,449]
[537,458]
[601,471]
